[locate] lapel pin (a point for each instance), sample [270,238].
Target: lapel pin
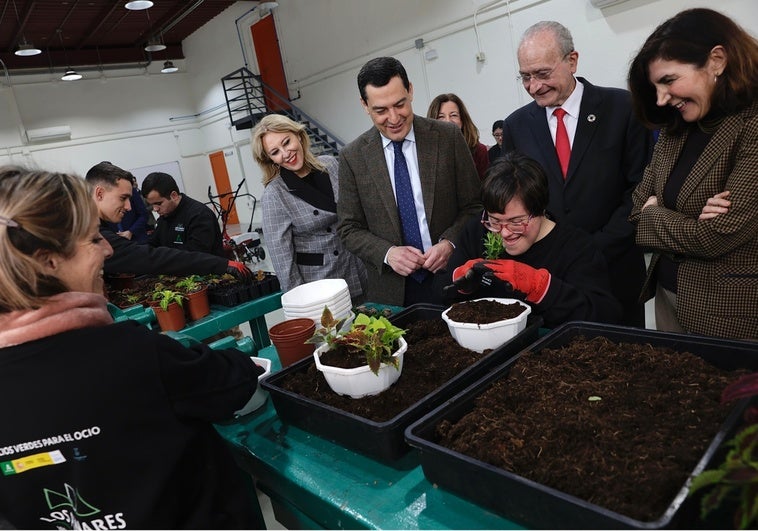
[591,118]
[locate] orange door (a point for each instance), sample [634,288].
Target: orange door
[223,186]
[269,58]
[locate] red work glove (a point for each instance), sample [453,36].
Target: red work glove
[466,278]
[524,278]
[239,270]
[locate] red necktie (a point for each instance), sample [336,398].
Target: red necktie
[562,146]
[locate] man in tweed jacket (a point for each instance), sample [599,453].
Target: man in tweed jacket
[447,184]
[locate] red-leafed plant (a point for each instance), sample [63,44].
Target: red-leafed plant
[738,474]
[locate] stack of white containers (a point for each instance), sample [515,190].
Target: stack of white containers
[308,300]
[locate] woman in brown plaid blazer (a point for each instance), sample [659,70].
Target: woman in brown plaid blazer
[696,208]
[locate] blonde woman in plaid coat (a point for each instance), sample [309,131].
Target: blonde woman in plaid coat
[300,210]
[696,208]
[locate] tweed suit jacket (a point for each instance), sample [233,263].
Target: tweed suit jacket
[295,226]
[717,283]
[608,156]
[369,222]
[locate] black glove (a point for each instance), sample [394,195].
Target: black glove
[239,270]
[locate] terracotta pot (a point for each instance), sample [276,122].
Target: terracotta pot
[171,319]
[290,336]
[198,305]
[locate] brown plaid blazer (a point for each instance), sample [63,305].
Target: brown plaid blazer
[717,285]
[369,223]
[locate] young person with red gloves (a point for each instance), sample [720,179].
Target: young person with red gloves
[555,268]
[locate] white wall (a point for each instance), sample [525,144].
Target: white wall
[325,75]
[135,120]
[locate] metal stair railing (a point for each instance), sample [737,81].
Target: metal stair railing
[248,99]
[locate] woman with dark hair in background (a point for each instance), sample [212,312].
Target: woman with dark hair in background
[450,108]
[696,208]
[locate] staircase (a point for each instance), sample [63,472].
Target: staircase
[248,99]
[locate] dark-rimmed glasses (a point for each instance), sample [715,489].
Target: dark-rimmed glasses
[516,225]
[540,75]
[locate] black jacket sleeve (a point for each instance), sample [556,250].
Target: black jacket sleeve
[131,257]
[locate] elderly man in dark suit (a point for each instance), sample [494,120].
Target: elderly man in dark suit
[592,148]
[407,186]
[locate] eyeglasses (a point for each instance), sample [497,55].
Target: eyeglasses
[516,226]
[540,75]
[497,135]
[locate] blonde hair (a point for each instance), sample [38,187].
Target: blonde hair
[40,213]
[277,123]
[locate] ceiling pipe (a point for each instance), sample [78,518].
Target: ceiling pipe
[178,19]
[99,68]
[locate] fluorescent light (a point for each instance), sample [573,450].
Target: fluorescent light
[25,49]
[169,68]
[71,75]
[137,5]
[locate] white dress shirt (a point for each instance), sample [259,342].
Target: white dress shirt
[572,105]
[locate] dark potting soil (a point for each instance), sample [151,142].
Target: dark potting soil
[484,312]
[616,424]
[432,359]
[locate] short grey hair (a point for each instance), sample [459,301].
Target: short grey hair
[560,32]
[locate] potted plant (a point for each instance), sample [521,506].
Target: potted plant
[196,295]
[736,478]
[168,306]
[363,360]
[486,323]
[493,246]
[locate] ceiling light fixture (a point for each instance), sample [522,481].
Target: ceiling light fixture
[26,49]
[138,5]
[155,45]
[169,68]
[71,75]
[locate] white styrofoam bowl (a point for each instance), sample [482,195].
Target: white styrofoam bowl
[316,292]
[261,395]
[360,381]
[336,309]
[480,337]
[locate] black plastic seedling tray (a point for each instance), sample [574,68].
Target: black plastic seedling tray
[537,506]
[383,441]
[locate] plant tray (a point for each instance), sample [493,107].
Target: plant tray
[383,441]
[536,505]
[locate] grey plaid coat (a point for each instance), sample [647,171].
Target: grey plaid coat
[302,238]
[717,285]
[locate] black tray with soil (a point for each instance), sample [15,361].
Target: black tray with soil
[593,426]
[434,369]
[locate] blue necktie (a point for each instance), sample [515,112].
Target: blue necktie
[406,207]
